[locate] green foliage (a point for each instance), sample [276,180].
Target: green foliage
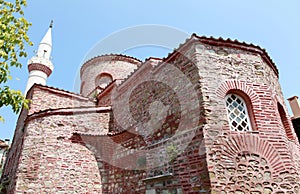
[172,151]
[13,39]
[141,161]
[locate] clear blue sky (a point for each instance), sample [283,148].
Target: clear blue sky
[79,25]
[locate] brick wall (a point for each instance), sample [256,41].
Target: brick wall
[44,98]
[260,160]
[219,163]
[167,131]
[165,91]
[42,158]
[51,162]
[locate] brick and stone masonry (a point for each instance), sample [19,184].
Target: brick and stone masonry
[160,126]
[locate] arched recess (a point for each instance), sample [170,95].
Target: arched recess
[241,89]
[285,122]
[103,79]
[284,118]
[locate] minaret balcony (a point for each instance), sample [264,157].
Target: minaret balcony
[42,61]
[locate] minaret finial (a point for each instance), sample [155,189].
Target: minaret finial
[51,24]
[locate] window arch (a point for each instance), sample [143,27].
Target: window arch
[103,80]
[237,112]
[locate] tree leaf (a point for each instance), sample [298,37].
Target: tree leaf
[13,39]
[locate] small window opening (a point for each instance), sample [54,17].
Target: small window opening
[103,80]
[237,112]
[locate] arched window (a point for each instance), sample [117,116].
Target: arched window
[284,121]
[103,80]
[237,112]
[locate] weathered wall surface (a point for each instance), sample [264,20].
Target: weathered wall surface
[41,148]
[44,98]
[12,161]
[168,131]
[162,103]
[260,160]
[51,163]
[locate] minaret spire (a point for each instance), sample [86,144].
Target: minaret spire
[40,66]
[51,24]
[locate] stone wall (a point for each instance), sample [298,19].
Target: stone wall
[51,163]
[167,131]
[178,159]
[41,138]
[44,98]
[162,103]
[257,161]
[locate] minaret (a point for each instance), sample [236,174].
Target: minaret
[40,66]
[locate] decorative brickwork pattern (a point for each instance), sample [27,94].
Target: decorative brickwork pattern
[40,67]
[264,153]
[248,164]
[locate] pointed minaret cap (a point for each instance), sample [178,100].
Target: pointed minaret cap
[45,46]
[40,66]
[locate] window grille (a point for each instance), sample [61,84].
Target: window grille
[238,116]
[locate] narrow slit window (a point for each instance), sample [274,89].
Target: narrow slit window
[284,121]
[237,112]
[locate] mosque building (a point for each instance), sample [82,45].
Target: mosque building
[208,118]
